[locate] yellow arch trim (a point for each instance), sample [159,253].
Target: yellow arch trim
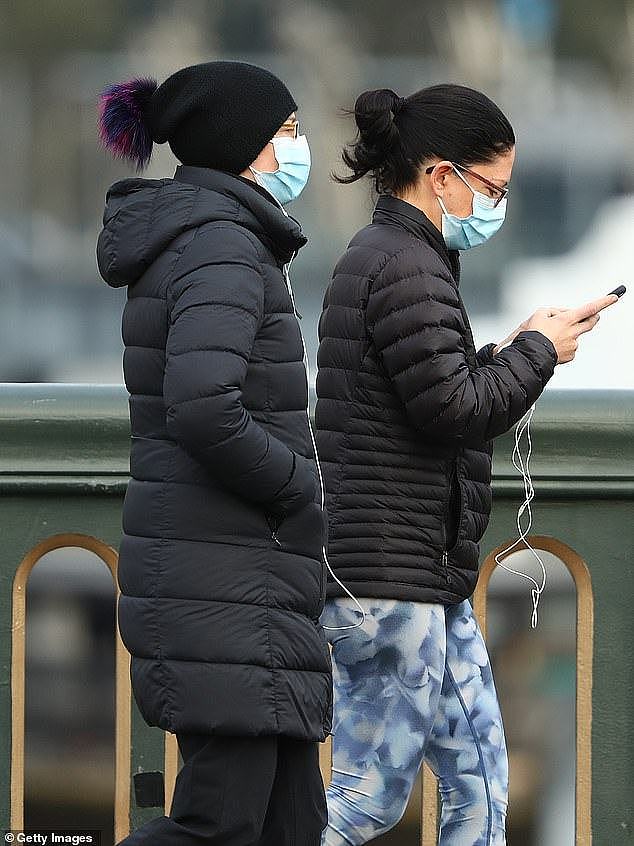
[585,638]
[122,681]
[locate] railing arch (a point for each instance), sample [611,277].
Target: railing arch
[580,573]
[109,557]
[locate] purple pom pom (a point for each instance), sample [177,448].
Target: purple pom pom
[122,128]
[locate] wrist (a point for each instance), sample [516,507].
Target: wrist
[544,340]
[503,344]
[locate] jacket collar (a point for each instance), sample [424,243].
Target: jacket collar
[251,206]
[396,212]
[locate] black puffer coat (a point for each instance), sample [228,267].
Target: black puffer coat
[219,611]
[406,412]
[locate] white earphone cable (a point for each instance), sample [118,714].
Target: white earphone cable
[522,466]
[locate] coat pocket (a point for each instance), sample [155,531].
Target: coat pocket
[455,508]
[302,532]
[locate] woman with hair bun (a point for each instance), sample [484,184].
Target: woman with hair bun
[406,413]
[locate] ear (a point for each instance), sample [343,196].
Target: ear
[438,177]
[266,160]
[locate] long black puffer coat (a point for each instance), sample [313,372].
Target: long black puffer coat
[220,567]
[407,410]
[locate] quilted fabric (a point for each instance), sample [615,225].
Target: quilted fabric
[407,411]
[220,567]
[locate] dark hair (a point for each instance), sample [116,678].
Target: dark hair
[397,134]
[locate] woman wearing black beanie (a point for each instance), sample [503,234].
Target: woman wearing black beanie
[220,563]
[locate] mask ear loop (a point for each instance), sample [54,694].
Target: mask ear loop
[473,191]
[460,176]
[522,466]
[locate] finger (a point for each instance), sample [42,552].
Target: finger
[593,307]
[547,311]
[586,325]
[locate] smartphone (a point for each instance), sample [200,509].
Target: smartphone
[618,291]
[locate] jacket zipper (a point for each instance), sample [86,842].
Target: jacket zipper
[445,562]
[445,554]
[274,536]
[286,269]
[286,266]
[322,583]
[445,557]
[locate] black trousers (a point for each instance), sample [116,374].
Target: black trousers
[242,791]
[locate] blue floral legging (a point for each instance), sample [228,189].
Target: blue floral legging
[413,683]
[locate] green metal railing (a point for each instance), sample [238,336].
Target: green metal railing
[64,467]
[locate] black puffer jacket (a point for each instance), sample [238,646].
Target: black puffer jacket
[406,411]
[219,612]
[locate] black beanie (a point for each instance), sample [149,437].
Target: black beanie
[218,114]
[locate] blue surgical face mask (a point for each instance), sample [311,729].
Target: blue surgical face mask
[462,233]
[287,182]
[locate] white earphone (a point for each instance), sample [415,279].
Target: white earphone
[522,426]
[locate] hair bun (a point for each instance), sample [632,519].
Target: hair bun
[374,105]
[123,125]
[373,112]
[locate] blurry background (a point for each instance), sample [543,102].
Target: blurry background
[562,70]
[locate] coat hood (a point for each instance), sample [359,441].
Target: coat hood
[142,216]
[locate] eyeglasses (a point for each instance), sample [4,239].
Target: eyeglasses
[289,125]
[499,193]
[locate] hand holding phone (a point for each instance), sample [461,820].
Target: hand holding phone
[569,324]
[564,326]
